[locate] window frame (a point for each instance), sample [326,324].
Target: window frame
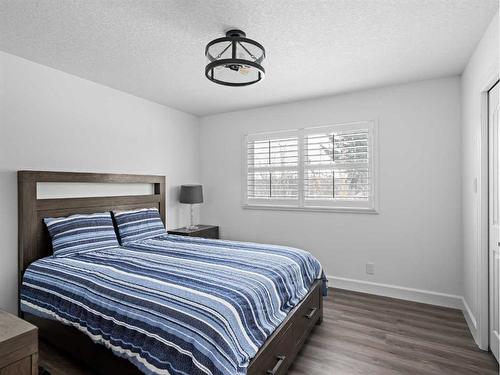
[300,204]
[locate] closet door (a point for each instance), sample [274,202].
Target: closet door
[494,222]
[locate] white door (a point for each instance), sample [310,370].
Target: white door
[494,211]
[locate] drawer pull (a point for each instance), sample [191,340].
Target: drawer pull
[311,313]
[276,368]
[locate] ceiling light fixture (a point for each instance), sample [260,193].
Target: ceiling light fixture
[235,60]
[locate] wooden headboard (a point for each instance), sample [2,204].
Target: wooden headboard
[33,238]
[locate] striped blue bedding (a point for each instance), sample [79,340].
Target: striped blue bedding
[171,304]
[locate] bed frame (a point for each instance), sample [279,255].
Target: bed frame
[273,358]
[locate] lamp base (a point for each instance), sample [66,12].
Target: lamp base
[191,227]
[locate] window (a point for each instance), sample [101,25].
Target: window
[313,168]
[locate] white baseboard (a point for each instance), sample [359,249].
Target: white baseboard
[394,291]
[470,319]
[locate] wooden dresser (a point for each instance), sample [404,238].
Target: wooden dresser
[18,346]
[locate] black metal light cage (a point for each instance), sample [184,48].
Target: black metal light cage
[235,60]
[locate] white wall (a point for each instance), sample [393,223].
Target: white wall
[481,69]
[50,120]
[415,241]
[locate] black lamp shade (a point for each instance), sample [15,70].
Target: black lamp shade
[191,194]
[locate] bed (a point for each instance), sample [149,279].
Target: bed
[275,328]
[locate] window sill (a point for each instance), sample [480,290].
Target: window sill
[353,210]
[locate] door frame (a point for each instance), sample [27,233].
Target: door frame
[482,265]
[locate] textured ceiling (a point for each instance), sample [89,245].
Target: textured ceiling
[155,49]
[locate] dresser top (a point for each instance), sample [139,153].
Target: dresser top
[11,326]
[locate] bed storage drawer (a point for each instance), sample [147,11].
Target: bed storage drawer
[307,317]
[280,355]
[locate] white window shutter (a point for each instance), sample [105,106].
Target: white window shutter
[272,169]
[337,165]
[324,167]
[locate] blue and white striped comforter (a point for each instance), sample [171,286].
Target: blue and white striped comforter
[173,304]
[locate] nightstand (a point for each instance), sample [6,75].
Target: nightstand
[18,346]
[205,231]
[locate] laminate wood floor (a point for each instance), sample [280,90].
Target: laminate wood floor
[364,334]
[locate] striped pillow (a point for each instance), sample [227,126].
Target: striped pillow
[78,234]
[138,224]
